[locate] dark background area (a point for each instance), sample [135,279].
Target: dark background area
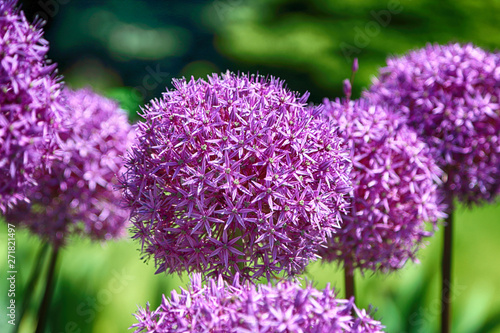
[110,44]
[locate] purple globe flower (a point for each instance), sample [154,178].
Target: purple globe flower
[235,175]
[450,94]
[395,193]
[285,307]
[79,196]
[30,109]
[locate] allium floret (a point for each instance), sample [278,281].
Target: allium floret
[451,95]
[79,195]
[235,174]
[219,306]
[395,192]
[30,104]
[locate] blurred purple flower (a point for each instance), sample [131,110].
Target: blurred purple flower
[235,175]
[450,94]
[30,109]
[355,65]
[79,194]
[395,193]
[222,307]
[347,88]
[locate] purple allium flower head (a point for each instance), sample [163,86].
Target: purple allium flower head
[235,174]
[79,194]
[30,109]
[219,306]
[394,178]
[451,96]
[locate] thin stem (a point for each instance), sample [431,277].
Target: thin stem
[32,282]
[49,289]
[446,272]
[349,282]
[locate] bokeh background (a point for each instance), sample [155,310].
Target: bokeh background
[131,49]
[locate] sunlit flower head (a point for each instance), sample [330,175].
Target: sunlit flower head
[79,195]
[395,192]
[219,306]
[451,96]
[235,174]
[30,104]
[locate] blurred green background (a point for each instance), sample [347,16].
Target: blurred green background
[131,49]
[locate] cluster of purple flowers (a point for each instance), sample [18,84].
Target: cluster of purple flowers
[78,195]
[395,192]
[235,175]
[451,96]
[31,112]
[219,306]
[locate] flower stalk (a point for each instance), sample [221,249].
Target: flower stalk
[446,272]
[350,291]
[43,310]
[32,283]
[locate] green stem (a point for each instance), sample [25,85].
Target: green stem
[32,282]
[49,289]
[446,272]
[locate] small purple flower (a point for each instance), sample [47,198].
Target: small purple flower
[395,193]
[78,196]
[355,65]
[235,175]
[219,306]
[30,109]
[451,96]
